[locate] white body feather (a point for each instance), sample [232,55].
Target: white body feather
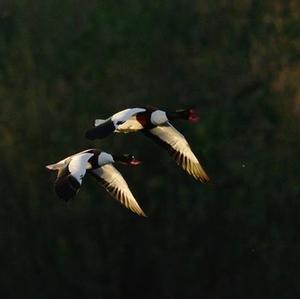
[131,125]
[79,164]
[158,117]
[124,121]
[124,115]
[105,158]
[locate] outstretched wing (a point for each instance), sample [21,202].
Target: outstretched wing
[114,183]
[69,177]
[175,143]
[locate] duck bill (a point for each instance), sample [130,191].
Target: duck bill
[135,162]
[193,116]
[101,131]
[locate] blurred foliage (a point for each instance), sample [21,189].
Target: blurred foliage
[64,63]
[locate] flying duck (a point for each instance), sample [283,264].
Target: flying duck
[72,169]
[155,124]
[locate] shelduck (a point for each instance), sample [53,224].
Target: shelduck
[72,169]
[155,124]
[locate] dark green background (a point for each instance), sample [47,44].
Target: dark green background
[64,63]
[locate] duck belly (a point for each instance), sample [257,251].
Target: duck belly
[131,125]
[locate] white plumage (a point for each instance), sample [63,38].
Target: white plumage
[117,187]
[179,149]
[124,115]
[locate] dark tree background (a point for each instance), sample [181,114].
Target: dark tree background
[64,63]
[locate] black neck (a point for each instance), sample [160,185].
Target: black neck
[178,114]
[124,159]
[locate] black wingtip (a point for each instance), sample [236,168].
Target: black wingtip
[100,131]
[91,134]
[66,188]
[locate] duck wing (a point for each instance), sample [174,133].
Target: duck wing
[177,146]
[116,186]
[70,176]
[104,128]
[124,115]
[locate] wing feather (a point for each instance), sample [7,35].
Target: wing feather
[126,114]
[116,186]
[175,143]
[70,176]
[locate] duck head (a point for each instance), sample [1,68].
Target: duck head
[187,114]
[126,159]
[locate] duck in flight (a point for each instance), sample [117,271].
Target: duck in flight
[155,124]
[72,169]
